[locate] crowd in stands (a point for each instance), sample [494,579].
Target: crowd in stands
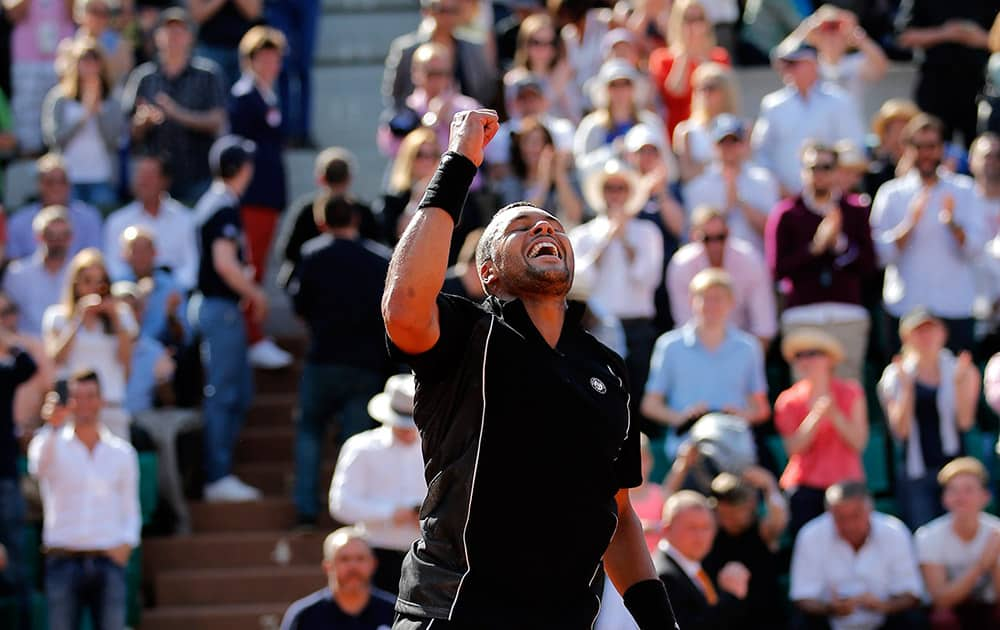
[782,288]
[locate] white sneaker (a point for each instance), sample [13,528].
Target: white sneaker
[266,354]
[230,489]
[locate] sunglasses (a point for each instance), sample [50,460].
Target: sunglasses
[808,354]
[437,72]
[715,238]
[541,42]
[920,146]
[615,188]
[821,167]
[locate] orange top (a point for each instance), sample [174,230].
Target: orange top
[661,61]
[829,459]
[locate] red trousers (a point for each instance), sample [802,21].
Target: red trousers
[259,224]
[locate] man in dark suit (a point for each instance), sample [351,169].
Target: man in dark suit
[688,533]
[475,75]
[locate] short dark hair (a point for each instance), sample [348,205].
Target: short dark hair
[85,375]
[162,159]
[337,210]
[334,165]
[486,249]
[730,489]
[845,491]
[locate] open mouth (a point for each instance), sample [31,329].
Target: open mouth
[544,248]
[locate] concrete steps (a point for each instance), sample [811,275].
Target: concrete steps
[231,617]
[275,478]
[219,587]
[234,550]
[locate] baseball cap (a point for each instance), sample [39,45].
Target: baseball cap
[528,82]
[642,135]
[229,153]
[916,318]
[794,50]
[726,125]
[175,14]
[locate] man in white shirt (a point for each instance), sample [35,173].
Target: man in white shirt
[619,262]
[155,210]
[929,231]
[378,483]
[805,109]
[713,245]
[730,183]
[855,568]
[699,601]
[959,553]
[90,499]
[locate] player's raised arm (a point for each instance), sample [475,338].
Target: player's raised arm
[419,263]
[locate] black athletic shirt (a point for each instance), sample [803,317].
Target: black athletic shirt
[216,216]
[525,447]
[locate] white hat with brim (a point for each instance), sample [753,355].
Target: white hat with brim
[394,405]
[613,70]
[811,339]
[593,187]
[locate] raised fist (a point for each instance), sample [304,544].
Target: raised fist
[471,131]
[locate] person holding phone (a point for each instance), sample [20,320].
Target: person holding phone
[89,481]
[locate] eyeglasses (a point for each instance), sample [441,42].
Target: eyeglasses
[541,42]
[715,238]
[821,167]
[620,83]
[808,354]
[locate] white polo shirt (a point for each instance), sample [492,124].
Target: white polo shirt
[825,565]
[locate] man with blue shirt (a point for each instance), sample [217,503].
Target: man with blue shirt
[805,109]
[928,230]
[349,601]
[706,364]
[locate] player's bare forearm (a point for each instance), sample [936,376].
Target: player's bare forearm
[627,560]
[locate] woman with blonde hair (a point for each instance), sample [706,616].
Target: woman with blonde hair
[90,329]
[410,173]
[823,422]
[715,92]
[691,42]
[886,156]
[82,120]
[541,53]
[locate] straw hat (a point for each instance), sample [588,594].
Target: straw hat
[593,186]
[811,339]
[394,406]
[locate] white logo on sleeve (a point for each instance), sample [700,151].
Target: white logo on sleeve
[598,385]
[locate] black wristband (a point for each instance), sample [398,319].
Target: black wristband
[450,185]
[649,605]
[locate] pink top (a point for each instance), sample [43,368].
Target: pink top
[829,459]
[649,509]
[37,36]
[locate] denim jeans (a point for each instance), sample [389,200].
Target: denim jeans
[12,538]
[298,20]
[326,391]
[99,194]
[228,379]
[919,499]
[73,585]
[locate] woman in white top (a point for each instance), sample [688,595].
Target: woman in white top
[715,92]
[930,400]
[81,120]
[91,330]
[847,56]
[619,94]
